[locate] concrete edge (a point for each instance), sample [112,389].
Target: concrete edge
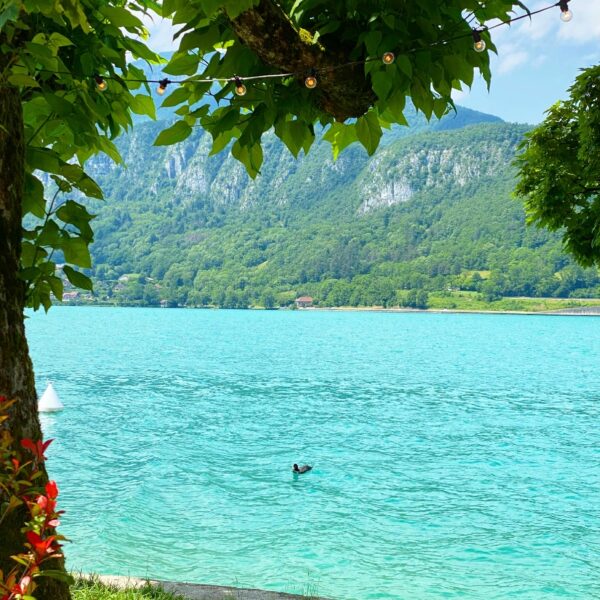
[196,591]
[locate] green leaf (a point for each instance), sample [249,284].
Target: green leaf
[395,107]
[176,133]
[110,149]
[372,40]
[76,214]
[49,235]
[220,141]
[76,251]
[382,83]
[33,198]
[340,135]
[59,105]
[29,273]
[368,131]
[294,134]
[405,65]
[120,17]
[235,8]
[78,279]
[22,80]
[140,50]
[9,13]
[183,64]
[76,175]
[42,159]
[179,95]
[143,105]
[56,285]
[205,39]
[250,156]
[56,574]
[59,40]
[31,252]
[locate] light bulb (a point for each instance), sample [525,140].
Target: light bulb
[388,58]
[566,15]
[240,88]
[310,82]
[479,44]
[101,84]
[162,86]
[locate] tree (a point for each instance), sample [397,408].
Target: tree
[51,120]
[67,92]
[431,42]
[559,169]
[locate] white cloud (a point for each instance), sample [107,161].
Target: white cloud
[509,62]
[540,26]
[460,95]
[161,34]
[585,26]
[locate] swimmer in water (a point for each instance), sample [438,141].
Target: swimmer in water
[302,469]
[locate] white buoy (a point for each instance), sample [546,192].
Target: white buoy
[49,401]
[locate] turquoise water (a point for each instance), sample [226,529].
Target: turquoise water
[456,456]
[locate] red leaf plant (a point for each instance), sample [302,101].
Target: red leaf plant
[19,482]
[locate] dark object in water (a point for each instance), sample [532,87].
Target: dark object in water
[302,469]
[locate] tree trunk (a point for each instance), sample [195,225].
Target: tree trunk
[16,371]
[270,34]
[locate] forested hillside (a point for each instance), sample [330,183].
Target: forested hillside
[431,211]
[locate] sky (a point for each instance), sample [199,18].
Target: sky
[537,60]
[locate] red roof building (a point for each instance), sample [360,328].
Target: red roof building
[304,302]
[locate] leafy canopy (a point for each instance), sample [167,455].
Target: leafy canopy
[559,169]
[218,39]
[52,51]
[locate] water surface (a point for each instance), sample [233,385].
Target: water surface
[456,456]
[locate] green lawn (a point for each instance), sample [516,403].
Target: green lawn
[473,301]
[92,589]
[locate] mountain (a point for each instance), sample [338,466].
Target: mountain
[431,210]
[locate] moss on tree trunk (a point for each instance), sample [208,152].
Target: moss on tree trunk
[270,33]
[16,371]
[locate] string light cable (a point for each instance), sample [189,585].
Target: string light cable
[311,77]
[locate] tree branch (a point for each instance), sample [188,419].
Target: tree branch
[271,35]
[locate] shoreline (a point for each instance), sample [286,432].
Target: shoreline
[581,311]
[195,591]
[564,312]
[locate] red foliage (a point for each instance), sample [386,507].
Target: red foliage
[41,539]
[36,448]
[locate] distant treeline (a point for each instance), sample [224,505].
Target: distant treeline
[429,213]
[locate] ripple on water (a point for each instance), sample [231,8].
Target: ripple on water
[456,456]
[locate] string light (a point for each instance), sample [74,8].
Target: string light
[479,44]
[162,86]
[565,14]
[240,88]
[101,84]
[311,81]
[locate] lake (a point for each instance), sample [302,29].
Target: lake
[455,456]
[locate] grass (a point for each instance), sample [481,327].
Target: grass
[474,301]
[92,589]
[89,587]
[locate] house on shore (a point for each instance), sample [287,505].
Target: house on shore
[304,302]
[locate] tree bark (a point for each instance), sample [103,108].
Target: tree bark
[270,34]
[16,371]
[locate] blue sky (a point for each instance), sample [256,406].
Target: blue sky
[537,60]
